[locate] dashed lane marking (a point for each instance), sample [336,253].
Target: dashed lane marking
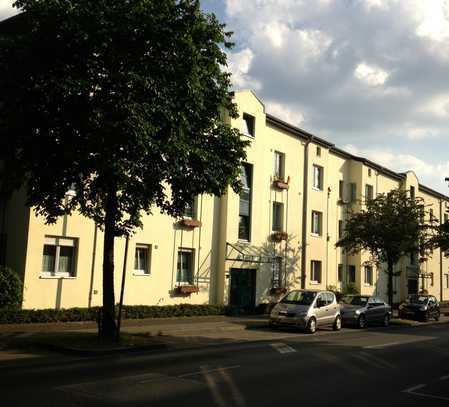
[444,377]
[383,345]
[282,347]
[412,390]
[219,369]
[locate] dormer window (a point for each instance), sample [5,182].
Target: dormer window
[249,124]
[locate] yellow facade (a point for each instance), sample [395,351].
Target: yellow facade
[324,183]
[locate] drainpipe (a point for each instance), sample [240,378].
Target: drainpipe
[304,213]
[327,235]
[441,254]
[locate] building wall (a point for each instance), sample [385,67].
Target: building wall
[214,257]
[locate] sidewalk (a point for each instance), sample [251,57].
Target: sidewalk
[169,333]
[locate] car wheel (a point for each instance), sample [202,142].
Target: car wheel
[386,320]
[311,326]
[361,322]
[272,325]
[437,316]
[337,323]
[426,317]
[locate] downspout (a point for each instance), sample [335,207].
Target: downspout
[441,254]
[327,236]
[304,213]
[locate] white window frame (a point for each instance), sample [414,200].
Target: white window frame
[313,271]
[340,268]
[192,252]
[319,223]
[245,128]
[368,281]
[318,177]
[279,165]
[369,187]
[143,272]
[59,242]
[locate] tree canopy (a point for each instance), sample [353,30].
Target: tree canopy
[120,101]
[390,226]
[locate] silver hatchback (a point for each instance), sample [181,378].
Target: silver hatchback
[307,309]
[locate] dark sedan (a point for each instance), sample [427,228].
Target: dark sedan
[361,310]
[421,307]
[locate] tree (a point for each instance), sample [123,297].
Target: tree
[391,226]
[120,101]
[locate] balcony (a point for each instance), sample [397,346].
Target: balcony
[281,183]
[190,223]
[186,289]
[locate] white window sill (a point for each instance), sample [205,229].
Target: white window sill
[141,273]
[180,283]
[367,285]
[315,282]
[316,235]
[56,277]
[247,135]
[317,189]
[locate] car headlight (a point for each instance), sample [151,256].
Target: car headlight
[423,308]
[357,312]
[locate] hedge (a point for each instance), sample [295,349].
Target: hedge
[18,316]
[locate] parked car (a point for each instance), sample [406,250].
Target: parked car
[361,310]
[421,307]
[307,309]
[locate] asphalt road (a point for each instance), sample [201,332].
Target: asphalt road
[380,366]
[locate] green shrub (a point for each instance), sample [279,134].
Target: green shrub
[11,288]
[350,289]
[18,316]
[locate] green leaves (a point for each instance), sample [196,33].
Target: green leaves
[391,226]
[11,288]
[116,95]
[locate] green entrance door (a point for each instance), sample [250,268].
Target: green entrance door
[243,289]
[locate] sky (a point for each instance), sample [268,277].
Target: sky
[370,76]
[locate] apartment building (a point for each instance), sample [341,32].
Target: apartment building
[241,249]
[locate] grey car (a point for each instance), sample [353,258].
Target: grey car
[361,310]
[307,309]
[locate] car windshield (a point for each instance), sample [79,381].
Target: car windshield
[299,297]
[417,299]
[354,300]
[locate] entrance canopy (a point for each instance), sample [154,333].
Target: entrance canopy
[248,254]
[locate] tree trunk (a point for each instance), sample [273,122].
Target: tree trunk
[390,283]
[108,325]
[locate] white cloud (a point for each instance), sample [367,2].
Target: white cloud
[429,173]
[370,74]
[284,112]
[239,64]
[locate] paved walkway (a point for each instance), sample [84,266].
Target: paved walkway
[178,333]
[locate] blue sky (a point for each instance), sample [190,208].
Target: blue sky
[370,76]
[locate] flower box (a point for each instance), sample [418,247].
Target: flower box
[190,223]
[187,289]
[279,236]
[280,184]
[278,291]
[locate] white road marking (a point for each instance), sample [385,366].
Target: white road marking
[282,347]
[219,369]
[412,389]
[444,377]
[383,345]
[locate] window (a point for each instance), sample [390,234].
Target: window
[351,274]
[185,266]
[245,202]
[278,217]
[412,192]
[317,223]
[341,186]
[446,281]
[340,273]
[340,229]
[318,151]
[315,271]
[249,124]
[368,275]
[446,217]
[413,258]
[431,214]
[142,259]
[368,192]
[190,210]
[431,279]
[279,165]
[58,257]
[318,177]
[353,191]
[369,172]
